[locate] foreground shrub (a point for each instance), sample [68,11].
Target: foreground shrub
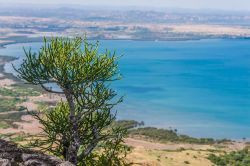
[108,149]
[76,129]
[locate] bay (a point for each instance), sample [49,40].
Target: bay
[201,88]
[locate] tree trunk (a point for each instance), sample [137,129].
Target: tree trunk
[75,142]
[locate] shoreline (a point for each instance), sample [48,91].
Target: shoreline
[18,82]
[144,150]
[13,58]
[40,39]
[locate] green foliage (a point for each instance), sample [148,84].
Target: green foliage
[75,129]
[18,138]
[14,138]
[110,149]
[10,104]
[41,105]
[56,128]
[7,120]
[164,135]
[62,61]
[113,153]
[4,125]
[4,136]
[128,124]
[13,117]
[18,92]
[236,158]
[7,92]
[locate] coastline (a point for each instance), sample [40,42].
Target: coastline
[146,121]
[145,151]
[8,59]
[7,80]
[185,81]
[26,39]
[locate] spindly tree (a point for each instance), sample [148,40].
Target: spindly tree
[75,128]
[105,148]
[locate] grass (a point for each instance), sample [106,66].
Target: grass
[18,92]
[18,138]
[15,117]
[238,158]
[41,105]
[4,136]
[4,125]
[10,104]
[7,120]
[159,157]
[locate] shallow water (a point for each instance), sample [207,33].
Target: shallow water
[202,88]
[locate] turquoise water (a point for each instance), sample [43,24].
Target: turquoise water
[201,88]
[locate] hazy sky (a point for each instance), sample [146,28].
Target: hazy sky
[193,4]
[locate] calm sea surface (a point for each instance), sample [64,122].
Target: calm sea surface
[201,88]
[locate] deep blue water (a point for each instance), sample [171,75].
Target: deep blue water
[201,88]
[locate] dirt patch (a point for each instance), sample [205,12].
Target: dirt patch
[6,82]
[159,146]
[29,125]
[31,106]
[144,157]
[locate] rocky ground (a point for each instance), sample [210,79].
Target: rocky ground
[11,154]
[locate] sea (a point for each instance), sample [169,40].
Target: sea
[201,87]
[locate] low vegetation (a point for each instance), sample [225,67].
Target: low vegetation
[236,158]
[41,105]
[14,116]
[7,119]
[4,125]
[165,135]
[128,124]
[17,91]
[19,138]
[6,136]
[135,129]
[16,137]
[10,104]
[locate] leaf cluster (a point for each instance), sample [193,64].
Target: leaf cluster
[66,63]
[56,136]
[75,129]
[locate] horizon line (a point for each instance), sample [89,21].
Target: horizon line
[125,7]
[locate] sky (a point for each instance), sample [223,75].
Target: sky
[188,4]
